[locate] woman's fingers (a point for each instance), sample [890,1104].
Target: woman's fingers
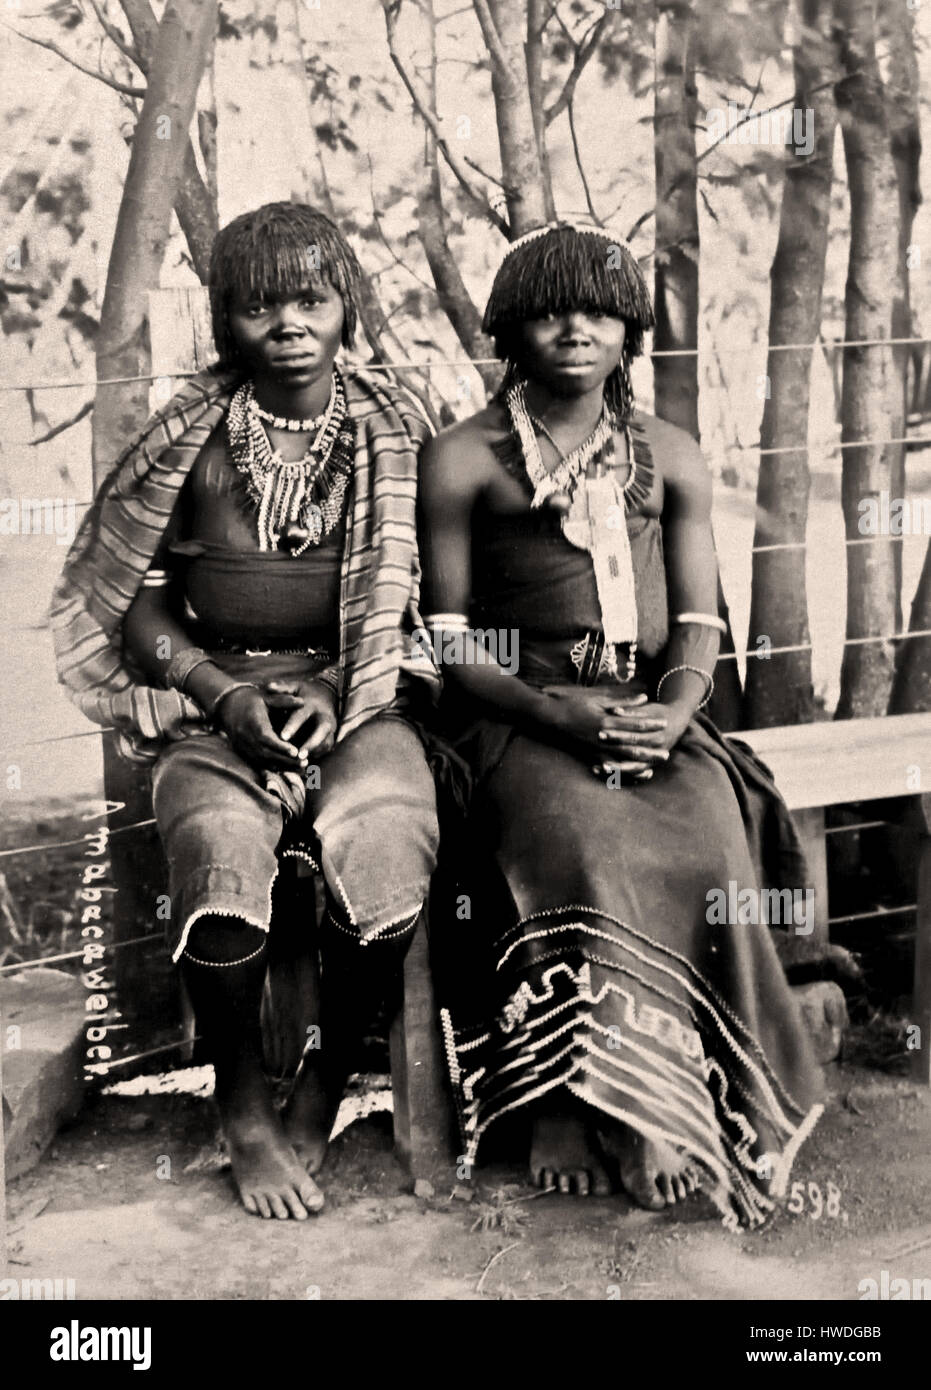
[616,719]
[280,700]
[637,771]
[296,721]
[647,756]
[621,745]
[321,740]
[269,745]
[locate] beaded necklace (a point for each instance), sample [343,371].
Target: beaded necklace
[594,521]
[298,502]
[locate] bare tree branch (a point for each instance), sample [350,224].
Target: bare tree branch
[86,409]
[490,34]
[376,217]
[115,37]
[585,49]
[88,72]
[418,95]
[578,161]
[709,149]
[372,316]
[454,297]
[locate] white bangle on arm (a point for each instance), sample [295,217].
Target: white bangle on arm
[703,620]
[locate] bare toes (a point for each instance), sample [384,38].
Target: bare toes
[262,1203]
[279,1209]
[310,1195]
[602,1185]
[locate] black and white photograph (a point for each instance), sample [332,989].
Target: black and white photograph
[465,596]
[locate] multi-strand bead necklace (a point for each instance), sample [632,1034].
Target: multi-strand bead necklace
[298,502]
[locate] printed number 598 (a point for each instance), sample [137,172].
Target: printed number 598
[829,1207]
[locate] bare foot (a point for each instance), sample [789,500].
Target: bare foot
[269,1175]
[564,1154]
[309,1114]
[655,1174]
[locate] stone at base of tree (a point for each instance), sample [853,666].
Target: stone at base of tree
[824,1011]
[42,1061]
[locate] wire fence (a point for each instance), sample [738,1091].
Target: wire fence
[432,363]
[429,365]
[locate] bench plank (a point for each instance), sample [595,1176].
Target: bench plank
[837,761]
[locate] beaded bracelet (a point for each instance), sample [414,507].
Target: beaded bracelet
[329,677]
[211,709]
[182,664]
[697,670]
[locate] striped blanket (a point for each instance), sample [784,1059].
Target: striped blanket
[380,582]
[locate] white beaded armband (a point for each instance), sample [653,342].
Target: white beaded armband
[155,579]
[453,622]
[697,670]
[703,619]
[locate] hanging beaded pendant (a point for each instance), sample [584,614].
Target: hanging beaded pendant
[298,502]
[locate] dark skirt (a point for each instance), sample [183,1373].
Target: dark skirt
[586,961]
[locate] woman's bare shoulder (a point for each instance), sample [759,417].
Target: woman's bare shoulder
[465,450]
[677,455]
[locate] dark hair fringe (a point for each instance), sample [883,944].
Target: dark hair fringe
[266,252]
[562,270]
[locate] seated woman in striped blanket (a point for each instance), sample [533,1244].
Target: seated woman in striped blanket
[240,603]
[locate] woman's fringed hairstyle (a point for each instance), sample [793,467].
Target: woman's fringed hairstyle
[564,266]
[278,249]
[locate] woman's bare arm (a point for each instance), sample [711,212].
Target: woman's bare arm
[452,480]
[691,570]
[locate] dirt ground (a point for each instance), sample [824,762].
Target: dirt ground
[96,1210]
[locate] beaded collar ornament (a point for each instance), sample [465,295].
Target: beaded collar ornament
[298,502]
[594,519]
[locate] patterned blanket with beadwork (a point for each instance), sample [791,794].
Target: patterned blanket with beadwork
[118,538]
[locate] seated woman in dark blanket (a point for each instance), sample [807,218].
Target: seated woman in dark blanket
[240,604]
[649,1044]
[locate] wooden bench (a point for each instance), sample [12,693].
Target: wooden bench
[852,761]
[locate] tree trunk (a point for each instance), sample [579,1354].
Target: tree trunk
[538,12]
[779,689]
[676,260]
[897,29]
[676,270]
[870,388]
[196,202]
[143,224]
[911,690]
[455,300]
[503,24]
